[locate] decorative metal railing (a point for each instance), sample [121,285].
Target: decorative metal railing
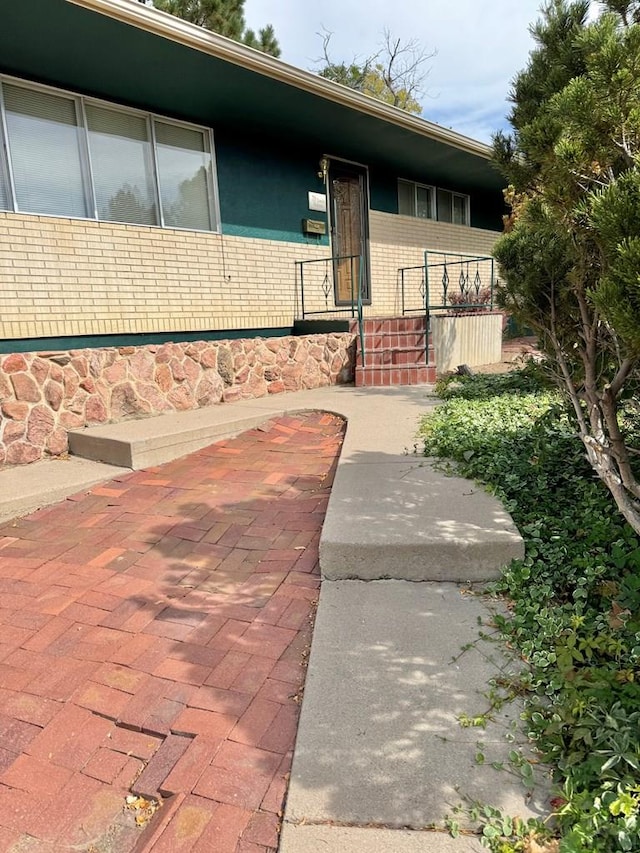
[448,282]
[315,284]
[413,297]
[466,282]
[413,289]
[317,291]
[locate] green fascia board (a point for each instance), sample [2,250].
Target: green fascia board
[59,43]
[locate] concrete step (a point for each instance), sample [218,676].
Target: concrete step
[411,522]
[390,514]
[151,441]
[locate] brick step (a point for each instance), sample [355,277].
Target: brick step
[389,324]
[399,356]
[392,340]
[389,375]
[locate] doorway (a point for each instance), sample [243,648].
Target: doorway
[349,199]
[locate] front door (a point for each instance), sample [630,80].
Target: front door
[349,231]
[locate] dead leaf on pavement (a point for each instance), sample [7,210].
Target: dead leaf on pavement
[144,809]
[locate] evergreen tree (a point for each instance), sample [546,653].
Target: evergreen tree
[225,17]
[265,41]
[570,259]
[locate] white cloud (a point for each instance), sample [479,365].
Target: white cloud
[480,47]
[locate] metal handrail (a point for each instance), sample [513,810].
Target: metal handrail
[360,312]
[402,271]
[465,286]
[355,308]
[424,308]
[329,285]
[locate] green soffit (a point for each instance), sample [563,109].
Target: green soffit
[66,45]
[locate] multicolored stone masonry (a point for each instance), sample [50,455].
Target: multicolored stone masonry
[45,394]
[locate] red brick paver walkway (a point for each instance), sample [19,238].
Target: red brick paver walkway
[152,639]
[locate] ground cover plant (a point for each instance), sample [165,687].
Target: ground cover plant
[573,603]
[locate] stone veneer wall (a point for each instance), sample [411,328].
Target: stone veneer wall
[44,394]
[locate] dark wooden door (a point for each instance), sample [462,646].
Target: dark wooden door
[349,233]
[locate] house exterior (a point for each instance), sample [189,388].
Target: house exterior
[162,186]
[158,179]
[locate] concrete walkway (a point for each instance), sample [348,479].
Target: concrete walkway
[380,757]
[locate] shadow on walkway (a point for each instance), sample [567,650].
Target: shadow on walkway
[152,640]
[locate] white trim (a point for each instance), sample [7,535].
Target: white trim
[212,185]
[90,99]
[467,207]
[434,189]
[344,160]
[6,165]
[87,167]
[432,192]
[175,29]
[157,188]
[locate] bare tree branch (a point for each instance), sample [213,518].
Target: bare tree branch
[394,73]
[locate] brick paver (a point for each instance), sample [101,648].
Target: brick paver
[153,635]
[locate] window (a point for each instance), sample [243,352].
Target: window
[5,192]
[427,202]
[4,189]
[44,146]
[453,207]
[460,209]
[122,166]
[184,166]
[71,156]
[416,200]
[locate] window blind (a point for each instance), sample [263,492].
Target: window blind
[459,210]
[5,195]
[406,198]
[423,202]
[184,170]
[71,156]
[45,151]
[122,166]
[444,206]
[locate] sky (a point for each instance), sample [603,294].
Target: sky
[479,45]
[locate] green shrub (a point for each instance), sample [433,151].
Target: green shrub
[574,600]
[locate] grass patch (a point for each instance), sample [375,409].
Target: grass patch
[574,600]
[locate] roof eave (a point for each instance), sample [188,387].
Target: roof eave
[175,29]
